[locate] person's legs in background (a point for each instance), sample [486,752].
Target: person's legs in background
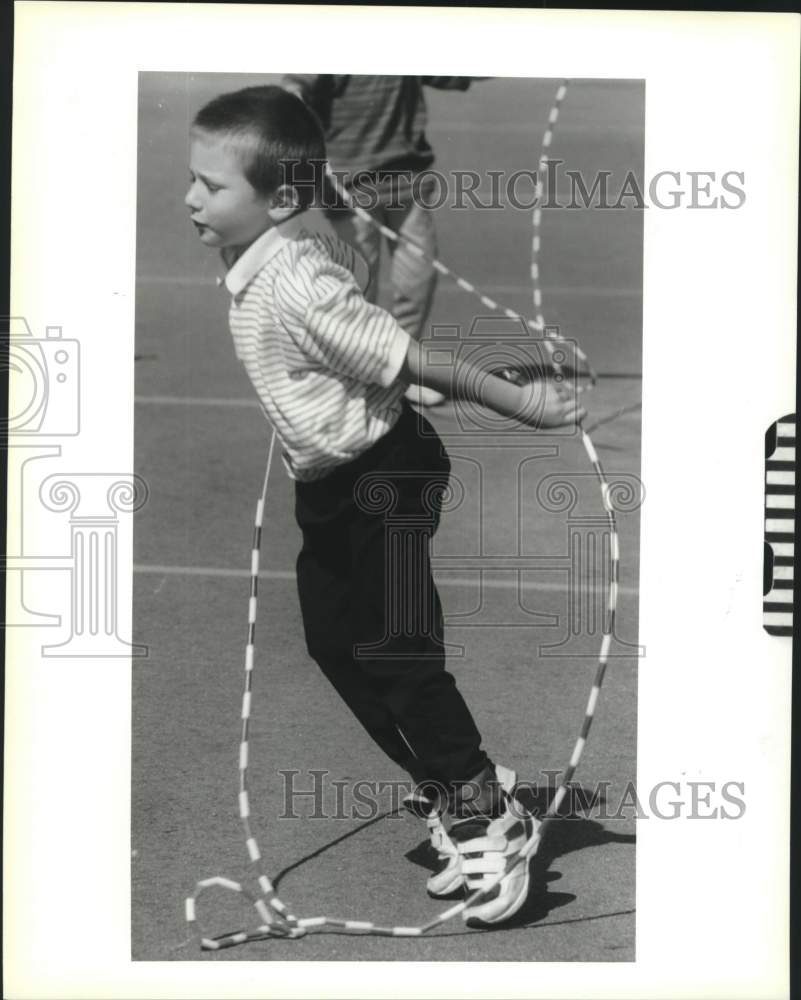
[412,275]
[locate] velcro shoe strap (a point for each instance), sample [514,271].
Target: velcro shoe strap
[479,845]
[487,864]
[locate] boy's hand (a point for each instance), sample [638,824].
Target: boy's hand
[549,404]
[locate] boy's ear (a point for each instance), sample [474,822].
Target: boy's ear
[285,202]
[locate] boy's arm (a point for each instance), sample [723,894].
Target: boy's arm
[324,311]
[542,404]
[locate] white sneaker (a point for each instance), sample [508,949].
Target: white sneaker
[448,878]
[485,849]
[423,396]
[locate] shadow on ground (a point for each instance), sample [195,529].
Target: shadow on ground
[565,833]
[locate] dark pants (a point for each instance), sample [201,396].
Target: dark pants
[371,612]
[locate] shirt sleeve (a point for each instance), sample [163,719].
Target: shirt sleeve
[333,324]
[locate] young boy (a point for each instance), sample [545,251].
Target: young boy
[330,370]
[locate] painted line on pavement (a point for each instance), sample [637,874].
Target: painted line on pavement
[441,579]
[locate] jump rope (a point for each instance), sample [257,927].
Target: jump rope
[277,921]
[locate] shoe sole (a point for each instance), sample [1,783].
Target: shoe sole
[504,915]
[455,889]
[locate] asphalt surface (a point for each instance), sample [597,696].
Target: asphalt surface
[201,444]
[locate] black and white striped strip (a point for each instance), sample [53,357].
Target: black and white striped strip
[778,577]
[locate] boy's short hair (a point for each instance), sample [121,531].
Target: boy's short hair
[281,138]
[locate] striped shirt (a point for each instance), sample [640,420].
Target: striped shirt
[323,360]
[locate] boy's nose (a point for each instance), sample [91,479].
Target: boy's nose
[191,200]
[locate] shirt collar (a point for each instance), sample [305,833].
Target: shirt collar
[260,251]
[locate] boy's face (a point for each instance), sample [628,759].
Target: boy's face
[225,208]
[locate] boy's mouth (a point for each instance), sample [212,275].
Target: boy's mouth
[201,227]
[206,234]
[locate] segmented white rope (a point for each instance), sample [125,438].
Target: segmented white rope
[536,248]
[614,544]
[277,921]
[536,218]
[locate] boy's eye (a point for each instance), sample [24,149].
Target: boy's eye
[211,188]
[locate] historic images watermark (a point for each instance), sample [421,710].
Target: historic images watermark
[45,406]
[316,794]
[554,186]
